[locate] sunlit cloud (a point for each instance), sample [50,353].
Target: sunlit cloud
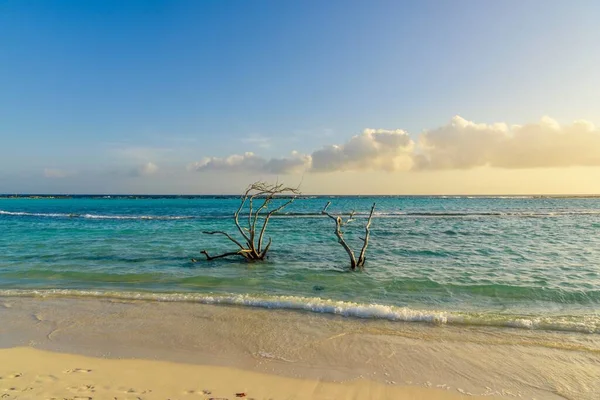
[374,149]
[464,144]
[459,145]
[250,162]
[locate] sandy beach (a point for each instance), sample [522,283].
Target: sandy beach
[301,200]
[58,347]
[27,373]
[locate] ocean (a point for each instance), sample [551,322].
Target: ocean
[518,262]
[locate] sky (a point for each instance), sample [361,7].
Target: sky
[344,97]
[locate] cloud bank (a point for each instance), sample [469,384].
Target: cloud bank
[250,162]
[464,144]
[461,144]
[374,149]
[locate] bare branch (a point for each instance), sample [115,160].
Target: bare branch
[261,191]
[256,215]
[264,253]
[334,217]
[267,192]
[225,234]
[340,235]
[361,257]
[250,215]
[339,222]
[264,227]
[326,213]
[233,253]
[237,213]
[351,217]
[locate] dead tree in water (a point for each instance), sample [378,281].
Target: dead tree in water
[251,247]
[339,223]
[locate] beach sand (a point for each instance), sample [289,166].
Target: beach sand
[74,348]
[27,373]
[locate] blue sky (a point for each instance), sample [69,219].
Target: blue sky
[113,96]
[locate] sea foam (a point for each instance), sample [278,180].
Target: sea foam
[583,324]
[393,214]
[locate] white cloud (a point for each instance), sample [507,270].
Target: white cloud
[463,144]
[374,149]
[250,162]
[234,163]
[295,163]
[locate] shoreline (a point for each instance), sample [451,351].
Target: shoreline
[583,323]
[311,347]
[324,195]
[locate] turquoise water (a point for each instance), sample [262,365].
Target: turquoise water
[525,262]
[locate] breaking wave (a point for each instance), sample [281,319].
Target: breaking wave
[383,214]
[93,216]
[589,323]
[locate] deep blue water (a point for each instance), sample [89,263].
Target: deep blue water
[530,262]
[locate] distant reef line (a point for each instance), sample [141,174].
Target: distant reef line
[235,196]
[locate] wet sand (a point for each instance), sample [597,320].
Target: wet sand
[178,350]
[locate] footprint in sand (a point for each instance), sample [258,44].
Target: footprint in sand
[45,378]
[198,392]
[77,370]
[82,389]
[71,398]
[11,376]
[10,389]
[134,392]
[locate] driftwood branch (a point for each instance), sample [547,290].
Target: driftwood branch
[237,214]
[340,235]
[233,253]
[339,223]
[264,252]
[363,251]
[269,214]
[226,235]
[251,247]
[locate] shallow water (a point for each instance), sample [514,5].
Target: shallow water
[523,262]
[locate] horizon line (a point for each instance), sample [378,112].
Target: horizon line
[17,195]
